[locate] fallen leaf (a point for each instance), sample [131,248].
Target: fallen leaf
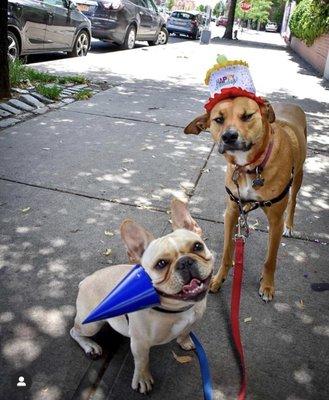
[26,209]
[182,359]
[248,319]
[109,233]
[74,230]
[301,304]
[107,252]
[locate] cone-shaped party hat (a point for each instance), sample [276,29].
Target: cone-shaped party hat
[229,79]
[133,293]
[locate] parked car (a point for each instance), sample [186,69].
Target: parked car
[271,27]
[221,21]
[36,26]
[125,21]
[186,22]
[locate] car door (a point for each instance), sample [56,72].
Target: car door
[153,12]
[146,20]
[60,28]
[32,18]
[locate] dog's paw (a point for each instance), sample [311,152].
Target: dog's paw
[93,351]
[266,292]
[287,232]
[216,284]
[142,382]
[186,343]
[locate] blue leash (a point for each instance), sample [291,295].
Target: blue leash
[204,367]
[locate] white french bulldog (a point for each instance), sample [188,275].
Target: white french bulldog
[180,266]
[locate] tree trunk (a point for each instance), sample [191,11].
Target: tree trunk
[4,68]
[230,21]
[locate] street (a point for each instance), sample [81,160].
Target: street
[70,175]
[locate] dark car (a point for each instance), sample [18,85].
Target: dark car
[125,21]
[44,26]
[186,22]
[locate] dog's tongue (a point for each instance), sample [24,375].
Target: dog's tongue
[194,284]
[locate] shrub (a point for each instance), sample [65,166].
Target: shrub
[309,20]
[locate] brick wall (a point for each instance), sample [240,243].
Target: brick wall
[316,54]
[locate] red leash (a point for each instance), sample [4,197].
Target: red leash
[235,310]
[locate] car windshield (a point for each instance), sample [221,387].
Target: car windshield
[183,15]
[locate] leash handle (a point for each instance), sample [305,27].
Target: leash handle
[204,368]
[235,310]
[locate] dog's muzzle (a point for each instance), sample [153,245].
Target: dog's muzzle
[230,141]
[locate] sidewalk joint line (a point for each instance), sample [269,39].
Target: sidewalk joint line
[148,208]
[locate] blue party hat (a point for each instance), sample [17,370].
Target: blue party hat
[133,293]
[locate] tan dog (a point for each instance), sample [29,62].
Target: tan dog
[180,266]
[272,139]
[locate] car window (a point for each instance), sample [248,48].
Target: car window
[58,3]
[183,15]
[150,5]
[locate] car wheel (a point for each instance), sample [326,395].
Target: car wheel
[129,42]
[81,45]
[161,39]
[13,47]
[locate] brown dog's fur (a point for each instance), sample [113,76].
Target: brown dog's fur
[285,125]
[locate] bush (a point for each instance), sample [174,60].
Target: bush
[309,20]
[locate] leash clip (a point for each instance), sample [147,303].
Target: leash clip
[243,228]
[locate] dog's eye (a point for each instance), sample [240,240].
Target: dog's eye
[161,264]
[247,117]
[198,246]
[219,120]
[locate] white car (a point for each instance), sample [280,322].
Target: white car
[271,27]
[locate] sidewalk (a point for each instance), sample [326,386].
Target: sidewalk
[69,175]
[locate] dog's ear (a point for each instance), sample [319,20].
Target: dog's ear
[198,125]
[268,112]
[181,217]
[136,239]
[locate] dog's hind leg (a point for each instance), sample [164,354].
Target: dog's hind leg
[91,348]
[230,221]
[289,221]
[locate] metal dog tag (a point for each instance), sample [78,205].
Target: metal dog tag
[257,182]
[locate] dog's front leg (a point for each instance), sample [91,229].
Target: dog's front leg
[142,379]
[276,224]
[230,221]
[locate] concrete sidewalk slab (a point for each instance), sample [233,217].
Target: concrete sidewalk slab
[49,242]
[311,217]
[285,341]
[125,161]
[173,104]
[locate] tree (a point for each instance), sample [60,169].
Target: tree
[259,12]
[201,8]
[170,4]
[230,21]
[219,9]
[4,68]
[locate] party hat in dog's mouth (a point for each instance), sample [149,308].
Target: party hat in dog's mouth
[229,79]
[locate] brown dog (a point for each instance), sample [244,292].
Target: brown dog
[272,139]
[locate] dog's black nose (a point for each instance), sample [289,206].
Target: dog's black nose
[187,268]
[230,136]
[185,263]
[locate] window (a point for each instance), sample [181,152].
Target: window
[57,3]
[183,15]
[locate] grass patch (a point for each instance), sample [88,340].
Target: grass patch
[52,92]
[83,94]
[21,75]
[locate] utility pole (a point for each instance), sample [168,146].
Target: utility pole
[4,67]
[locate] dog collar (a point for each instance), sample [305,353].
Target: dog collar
[264,156]
[168,311]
